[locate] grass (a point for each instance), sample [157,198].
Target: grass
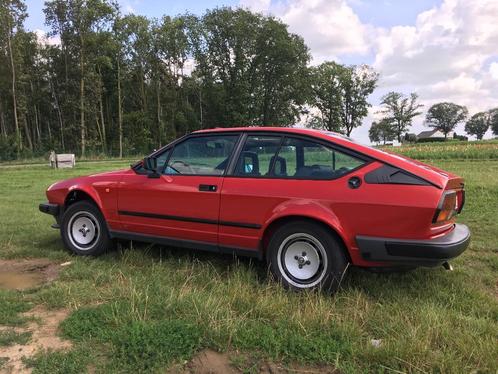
[143,308]
[11,337]
[450,150]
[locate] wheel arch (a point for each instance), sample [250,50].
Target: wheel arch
[79,194]
[278,222]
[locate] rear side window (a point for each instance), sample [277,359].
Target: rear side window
[257,156]
[206,155]
[306,159]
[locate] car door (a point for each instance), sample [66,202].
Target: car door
[274,174]
[183,201]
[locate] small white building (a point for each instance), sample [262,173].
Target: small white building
[433,134]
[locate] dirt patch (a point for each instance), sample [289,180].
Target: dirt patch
[25,274]
[44,336]
[212,362]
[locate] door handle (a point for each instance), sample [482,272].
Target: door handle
[208,187]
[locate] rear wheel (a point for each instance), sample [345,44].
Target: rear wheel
[304,255]
[84,231]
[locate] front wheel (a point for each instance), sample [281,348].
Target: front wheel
[84,231]
[304,255]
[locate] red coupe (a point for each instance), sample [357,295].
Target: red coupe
[309,202]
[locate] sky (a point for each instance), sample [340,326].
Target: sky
[444,50]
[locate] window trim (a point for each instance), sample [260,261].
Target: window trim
[183,139]
[242,136]
[241,148]
[284,135]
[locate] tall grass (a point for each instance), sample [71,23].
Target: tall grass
[451,150]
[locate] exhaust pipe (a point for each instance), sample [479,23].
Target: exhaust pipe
[447,266]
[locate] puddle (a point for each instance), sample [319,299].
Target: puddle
[12,280]
[26,274]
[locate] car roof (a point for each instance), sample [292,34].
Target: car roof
[412,166]
[293,130]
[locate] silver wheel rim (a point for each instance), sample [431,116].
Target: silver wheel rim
[302,260]
[83,230]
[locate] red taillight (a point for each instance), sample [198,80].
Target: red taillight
[449,205]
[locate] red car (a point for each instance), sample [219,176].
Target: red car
[308,201]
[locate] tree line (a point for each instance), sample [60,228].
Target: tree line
[118,84]
[398,111]
[125,84]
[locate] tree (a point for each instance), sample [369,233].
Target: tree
[445,116]
[340,93]
[478,124]
[400,111]
[83,21]
[12,15]
[381,131]
[252,70]
[493,120]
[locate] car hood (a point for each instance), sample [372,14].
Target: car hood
[110,176]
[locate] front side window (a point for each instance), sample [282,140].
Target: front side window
[205,155]
[257,156]
[306,159]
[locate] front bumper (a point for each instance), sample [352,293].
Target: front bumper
[52,209]
[430,252]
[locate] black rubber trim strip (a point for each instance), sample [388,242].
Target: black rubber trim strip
[416,252]
[190,219]
[387,174]
[189,244]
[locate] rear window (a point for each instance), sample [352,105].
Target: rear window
[300,158]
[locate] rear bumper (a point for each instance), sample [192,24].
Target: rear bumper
[430,252]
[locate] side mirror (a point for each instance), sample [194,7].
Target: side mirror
[150,164]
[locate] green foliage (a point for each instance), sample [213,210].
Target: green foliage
[445,116]
[143,347]
[58,362]
[443,149]
[493,119]
[399,110]
[381,131]
[11,337]
[340,93]
[431,140]
[478,124]
[120,85]
[10,308]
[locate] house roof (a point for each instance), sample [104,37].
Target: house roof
[426,134]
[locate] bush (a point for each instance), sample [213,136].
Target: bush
[431,140]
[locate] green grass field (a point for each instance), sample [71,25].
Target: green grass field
[144,308]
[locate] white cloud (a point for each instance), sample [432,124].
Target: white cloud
[493,70]
[43,39]
[449,54]
[329,27]
[260,6]
[444,56]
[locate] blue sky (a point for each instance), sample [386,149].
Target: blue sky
[444,50]
[379,12]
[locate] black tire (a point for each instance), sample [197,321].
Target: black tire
[320,261]
[84,230]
